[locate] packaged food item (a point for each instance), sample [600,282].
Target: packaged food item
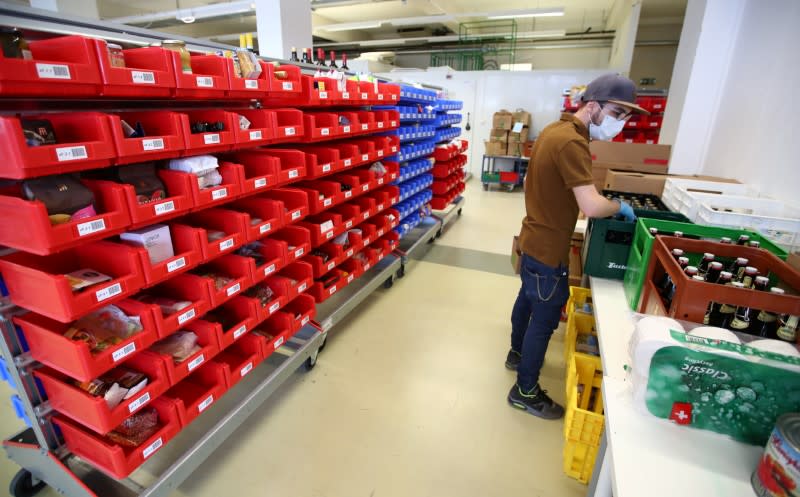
[221,316]
[104,328]
[142,177]
[155,239]
[214,235]
[119,384]
[180,345]
[38,132]
[244,123]
[261,292]
[84,278]
[203,166]
[115,55]
[135,430]
[220,280]
[379,169]
[167,305]
[180,47]
[63,196]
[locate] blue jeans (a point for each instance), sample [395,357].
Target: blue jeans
[536,314]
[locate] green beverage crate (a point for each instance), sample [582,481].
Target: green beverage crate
[490,178]
[608,242]
[642,249]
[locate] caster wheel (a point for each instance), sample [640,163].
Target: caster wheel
[312,360]
[401,272]
[324,343]
[486,187]
[460,210]
[25,485]
[388,283]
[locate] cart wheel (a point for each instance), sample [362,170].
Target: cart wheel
[486,187]
[312,360]
[388,283]
[401,272]
[459,211]
[324,343]
[25,485]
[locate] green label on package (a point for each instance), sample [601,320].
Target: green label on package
[739,397]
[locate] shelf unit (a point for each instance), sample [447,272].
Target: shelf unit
[449,171]
[276,196]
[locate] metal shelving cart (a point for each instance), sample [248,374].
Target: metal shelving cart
[491,174]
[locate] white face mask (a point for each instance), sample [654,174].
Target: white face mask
[607,130]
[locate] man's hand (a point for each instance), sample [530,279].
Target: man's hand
[593,204]
[625,211]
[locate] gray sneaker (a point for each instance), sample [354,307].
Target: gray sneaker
[513,359]
[535,402]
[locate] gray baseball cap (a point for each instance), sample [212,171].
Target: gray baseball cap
[613,88]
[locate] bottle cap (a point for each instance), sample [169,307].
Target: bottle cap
[697,277]
[716,265]
[726,274]
[683,260]
[725,239]
[738,284]
[691,270]
[750,270]
[776,290]
[742,261]
[708,255]
[762,280]
[677,252]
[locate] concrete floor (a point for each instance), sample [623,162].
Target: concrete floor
[409,396]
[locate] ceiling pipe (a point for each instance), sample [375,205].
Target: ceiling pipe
[326,4]
[201,12]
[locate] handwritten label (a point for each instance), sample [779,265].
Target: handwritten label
[380,96]
[196,362]
[150,449]
[294,173]
[287,86]
[346,95]
[256,135]
[136,404]
[274,307]
[325,131]
[380,124]
[143,78]
[241,330]
[348,194]
[123,352]
[299,252]
[226,244]
[153,144]
[365,157]
[350,253]
[380,207]
[365,215]
[53,71]
[186,316]
[108,292]
[233,289]
[251,84]
[203,405]
[364,188]
[71,153]
[269,270]
[295,215]
[265,228]
[211,138]
[176,264]
[364,96]
[205,82]
[246,369]
[91,227]
[347,162]
[278,342]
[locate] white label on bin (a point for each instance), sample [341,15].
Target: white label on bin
[364,96]
[218,194]
[302,288]
[350,278]
[108,292]
[323,94]
[364,187]
[241,330]
[332,290]
[150,449]
[346,129]
[203,405]
[367,240]
[256,135]
[91,227]
[196,362]
[260,183]
[331,265]
[327,202]
[365,215]
[364,126]
[176,264]
[136,404]
[329,235]
[366,267]
[348,224]
[326,168]
[53,71]
[233,289]
[123,352]
[265,228]
[294,173]
[380,124]
[269,270]
[380,181]
[205,82]
[153,144]
[325,131]
[290,131]
[394,149]
[380,96]
[164,207]
[380,207]
[143,78]
[274,307]
[71,153]
[287,86]
[380,153]
[380,233]
[305,321]
[278,343]
[394,97]
[251,84]
[394,124]
[346,95]
[347,162]
[246,369]
[211,138]
[186,316]
[299,252]
[326,226]
[350,253]
[226,244]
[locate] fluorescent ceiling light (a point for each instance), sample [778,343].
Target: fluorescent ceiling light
[377,43]
[412,21]
[351,26]
[551,33]
[516,14]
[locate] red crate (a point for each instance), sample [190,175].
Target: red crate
[232,223]
[259,171]
[202,198]
[148,72]
[383,197]
[48,345]
[273,333]
[298,276]
[393,121]
[261,130]
[366,120]
[232,266]
[321,161]
[282,87]
[180,287]
[193,395]
[240,359]
[321,194]
[292,163]
[368,233]
[61,67]
[651,136]
[318,265]
[325,91]
[353,125]
[38,283]
[242,311]
[207,337]
[264,216]
[93,412]
[321,293]
[295,203]
[188,254]
[208,80]
[274,253]
[367,92]
[84,143]
[321,126]
[298,241]
[288,125]
[348,153]
[367,205]
[206,143]
[366,151]
[351,215]
[164,138]
[692,298]
[280,289]
[113,459]
[655,122]
[388,92]
[322,227]
[302,310]
[302,98]
[354,269]
[350,95]
[246,88]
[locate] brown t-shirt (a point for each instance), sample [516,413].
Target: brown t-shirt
[560,160]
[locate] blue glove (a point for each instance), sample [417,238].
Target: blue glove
[625,212]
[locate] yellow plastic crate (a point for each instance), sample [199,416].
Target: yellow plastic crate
[575,320]
[579,460]
[584,421]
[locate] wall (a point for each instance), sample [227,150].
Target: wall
[656,61]
[561,58]
[625,36]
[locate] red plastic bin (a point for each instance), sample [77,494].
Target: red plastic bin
[292,163]
[271,258]
[321,293]
[318,265]
[353,126]
[321,194]
[302,310]
[84,142]
[148,72]
[207,338]
[388,92]
[188,254]
[298,276]
[273,333]
[264,216]
[180,287]
[321,161]
[113,459]
[282,87]
[49,346]
[259,171]
[231,223]
[235,319]
[351,215]
[231,266]
[298,242]
[164,140]
[261,130]
[288,125]
[215,141]
[246,88]
[65,66]
[295,203]
[196,393]
[321,126]
[93,411]
[208,79]
[367,151]
[186,184]
[322,227]
[348,153]
[38,283]
[240,359]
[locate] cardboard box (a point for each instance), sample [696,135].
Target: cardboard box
[516,255]
[502,119]
[527,149]
[521,136]
[575,265]
[516,149]
[495,148]
[155,239]
[498,135]
[521,116]
[640,157]
[633,182]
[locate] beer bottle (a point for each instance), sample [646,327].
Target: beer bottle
[726,240]
[712,276]
[749,276]
[761,285]
[787,328]
[691,272]
[663,284]
[755,244]
[715,317]
[727,311]
[741,319]
[306,58]
[678,234]
[743,239]
[293,57]
[707,259]
[738,267]
[653,231]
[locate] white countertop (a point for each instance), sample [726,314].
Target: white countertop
[652,457]
[580,226]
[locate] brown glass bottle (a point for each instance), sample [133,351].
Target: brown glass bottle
[716,317]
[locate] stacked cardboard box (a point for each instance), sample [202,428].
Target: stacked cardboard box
[510,133]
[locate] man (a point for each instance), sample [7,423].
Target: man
[559,182]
